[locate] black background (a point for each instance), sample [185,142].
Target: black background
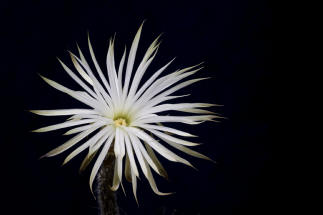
[232,37]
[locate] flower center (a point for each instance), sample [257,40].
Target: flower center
[120,122]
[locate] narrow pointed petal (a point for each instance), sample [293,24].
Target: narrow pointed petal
[64,125]
[167,129]
[163,83]
[166,82]
[81,96]
[120,70]
[152,50]
[119,152]
[102,77]
[85,145]
[63,112]
[148,159]
[77,79]
[96,84]
[159,98]
[152,79]
[135,142]
[70,142]
[82,128]
[173,139]
[144,165]
[159,148]
[187,150]
[131,60]
[127,169]
[197,111]
[134,185]
[116,181]
[97,93]
[94,149]
[185,107]
[78,68]
[95,62]
[130,154]
[81,55]
[99,161]
[156,161]
[161,119]
[182,119]
[152,182]
[121,155]
[87,160]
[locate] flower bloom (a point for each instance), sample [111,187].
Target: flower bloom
[126,117]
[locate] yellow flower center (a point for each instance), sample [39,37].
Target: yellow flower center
[120,122]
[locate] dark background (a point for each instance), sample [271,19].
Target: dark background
[232,37]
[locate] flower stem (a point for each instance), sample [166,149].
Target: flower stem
[106,198]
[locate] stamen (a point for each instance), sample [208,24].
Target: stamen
[120,122]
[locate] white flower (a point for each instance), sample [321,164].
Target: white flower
[127,116]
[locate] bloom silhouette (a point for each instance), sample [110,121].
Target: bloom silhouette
[127,117]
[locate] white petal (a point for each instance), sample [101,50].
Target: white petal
[153,183]
[157,119]
[116,89]
[173,139]
[120,70]
[77,79]
[117,150]
[85,145]
[135,142]
[71,142]
[85,76]
[131,60]
[75,94]
[103,79]
[158,147]
[130,155]
[144,164]
[81,55]
[121,153]
[163,83]
[97,93]
[173,107]
[182,119]
[96,84]
[153,156]
[116,180]
[63,112]
[83,128]
[167,129]
[196,110]
[127,169]
[94,147]
[156,100]
[187,150]
[99,160]
[86,161]
[64,125]
[166,82]
[143,66]
[134,185]
[92,116]
[97,67]
[151,79]
[148,158]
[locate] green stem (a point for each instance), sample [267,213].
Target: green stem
[107,199]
